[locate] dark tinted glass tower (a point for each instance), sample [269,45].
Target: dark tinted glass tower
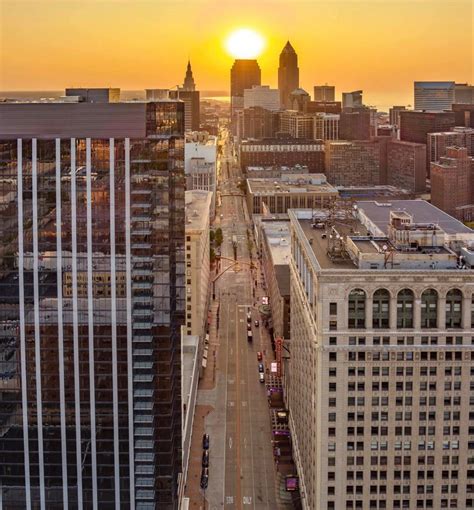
[91,305]
[244,74]
[288,74]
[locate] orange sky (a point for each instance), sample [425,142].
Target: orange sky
[380,46]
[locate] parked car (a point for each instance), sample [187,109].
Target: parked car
[257,324]
[205,441]
[261,368]
[261,377]
[205,458]
[259,356]
[249,317]
[204,478]
[249,326]
[249,336]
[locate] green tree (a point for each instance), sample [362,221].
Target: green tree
[212,236]
[218,238]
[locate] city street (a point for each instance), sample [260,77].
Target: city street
[241,472]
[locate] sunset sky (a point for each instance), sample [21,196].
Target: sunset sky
[380,46]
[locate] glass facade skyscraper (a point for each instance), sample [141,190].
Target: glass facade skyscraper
[92,297]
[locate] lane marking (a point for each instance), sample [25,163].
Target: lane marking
[247,500]
[230,443]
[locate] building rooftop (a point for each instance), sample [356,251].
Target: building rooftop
[198,206]
[403,235]
[358,192]
[423,212]
[278,240]
[302,183]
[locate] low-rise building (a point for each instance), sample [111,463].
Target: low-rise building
[275,172]
[381,357]
[275,249]
[198,207]
[310,191]
[282,152]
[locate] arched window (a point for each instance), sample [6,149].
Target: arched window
[405,301]
[357,309]
[454,308]
[429,309]
[381,309]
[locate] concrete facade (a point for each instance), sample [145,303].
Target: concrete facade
[380,372]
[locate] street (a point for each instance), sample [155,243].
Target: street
[241,472]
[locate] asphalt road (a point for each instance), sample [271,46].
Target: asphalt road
[242,471]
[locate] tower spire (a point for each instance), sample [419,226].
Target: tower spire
[189,79]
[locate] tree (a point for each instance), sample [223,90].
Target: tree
[212,236]
[213,255]
[218,237]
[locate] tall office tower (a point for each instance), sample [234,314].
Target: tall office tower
[95,95]
[91,304]
[299,100]
[189,84]
[394,115]
[258,123]
[355,125]
[288,74]
[354,163]
[190,97]
[457,137]
[244,74]
[451,182]
[463,93]
[262,96]
[326,126]
[382,358]
[324,92]
[434,95]
[352,99]
[415,126]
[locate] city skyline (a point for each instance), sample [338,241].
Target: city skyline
[136,43]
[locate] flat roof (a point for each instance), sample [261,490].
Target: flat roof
[278,238]
[198,204]
[423,212]
[265,186]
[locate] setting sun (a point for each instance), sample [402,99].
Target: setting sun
[245,43]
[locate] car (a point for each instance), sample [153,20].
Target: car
[259,356]
[249,317]
[205,441]
[261,368]
[205,458]
[257,324]
[249,336]
[261,377]
[204,478]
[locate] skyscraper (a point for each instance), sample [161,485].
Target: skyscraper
[244,74]
[434,95]
[288,74]
[91,304]
[189,79]
[324,92]
[352,99]
[190,96]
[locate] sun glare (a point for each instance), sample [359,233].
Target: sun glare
[245,43]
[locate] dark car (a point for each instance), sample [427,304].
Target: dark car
[261,368]
[205,458]
[204,478]
[205,441]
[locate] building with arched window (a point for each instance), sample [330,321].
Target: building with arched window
[382,357]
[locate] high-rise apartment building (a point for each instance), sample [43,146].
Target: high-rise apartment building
[406,165]
[92,298]
[324,92]
[464,114]
[434,95]
[296,124]
[200,165]
[458,137]
[244,74]
[382,359]
[415,126]
[355,124]
[355,163]
[451,181]
[262,96]
[326,126]
[352,99]
[288,74]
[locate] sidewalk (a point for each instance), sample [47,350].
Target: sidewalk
[207,382]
